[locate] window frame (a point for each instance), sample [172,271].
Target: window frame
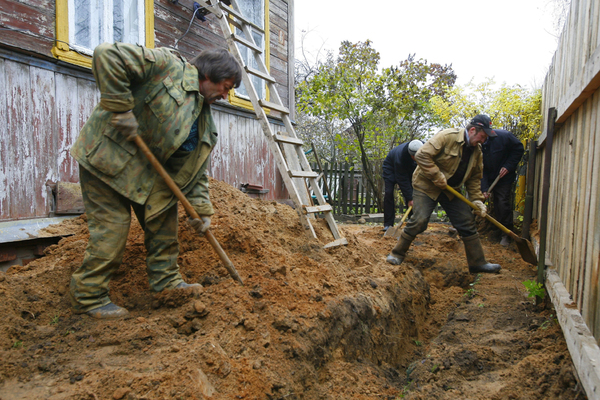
[245,102]
[68,53]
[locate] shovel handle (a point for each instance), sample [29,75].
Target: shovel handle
[405,215]
[493,184]
[187,205]
[487,216]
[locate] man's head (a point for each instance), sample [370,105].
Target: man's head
[413,147]
[479,129]
[219,72]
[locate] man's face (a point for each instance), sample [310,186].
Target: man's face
[215,91]
[476,138]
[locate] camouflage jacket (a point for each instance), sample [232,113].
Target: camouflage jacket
[441,155]
[162,90]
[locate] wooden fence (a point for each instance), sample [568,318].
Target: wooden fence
[348,188]
[573,218]
[567,176]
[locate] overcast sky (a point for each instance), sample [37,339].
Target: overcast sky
[511,41]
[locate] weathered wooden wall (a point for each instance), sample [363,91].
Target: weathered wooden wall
[242,154]
[37,128]
[33,21]
[44,103]
[42,109]
[571,86]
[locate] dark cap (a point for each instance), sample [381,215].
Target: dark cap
[484,122]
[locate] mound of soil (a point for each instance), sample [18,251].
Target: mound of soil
[308,323]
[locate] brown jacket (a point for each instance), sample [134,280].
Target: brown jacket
[441,155]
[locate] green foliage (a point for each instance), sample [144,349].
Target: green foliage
[364,112]
[55,320]
[513,108]
[472,292]
[18,344]
[535,289]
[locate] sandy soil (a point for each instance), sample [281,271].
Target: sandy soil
[308,323]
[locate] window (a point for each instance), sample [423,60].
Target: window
[84,24]
[257,12]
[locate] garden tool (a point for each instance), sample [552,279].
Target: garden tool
[525,247]
[394,231]
[187,205]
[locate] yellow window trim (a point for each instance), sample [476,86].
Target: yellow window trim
[63,52]
[240,101]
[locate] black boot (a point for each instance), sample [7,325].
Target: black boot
[399,252]
[475,256]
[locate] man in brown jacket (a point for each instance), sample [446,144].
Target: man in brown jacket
[451,157]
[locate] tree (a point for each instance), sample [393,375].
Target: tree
[372,111]
[513,108]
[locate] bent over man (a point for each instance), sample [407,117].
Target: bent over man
[156,94]
[398,168]
[451,157]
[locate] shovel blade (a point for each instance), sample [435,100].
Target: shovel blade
[526,250]
[391,232]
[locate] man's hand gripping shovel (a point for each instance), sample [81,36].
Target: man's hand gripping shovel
[186,204]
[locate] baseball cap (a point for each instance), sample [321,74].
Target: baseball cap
[485,123]
[414,146]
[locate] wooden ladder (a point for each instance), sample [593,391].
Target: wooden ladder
[286,146]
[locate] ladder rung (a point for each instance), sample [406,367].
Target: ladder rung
[232,13]
[260,74]
[273,106]
[339,242]
[316,209]
[287,139]
[246,43]
[302,174]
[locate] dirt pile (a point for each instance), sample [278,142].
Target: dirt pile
[309,323]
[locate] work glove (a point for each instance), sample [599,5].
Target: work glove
[482,209]
[126,124]
[441,182]
[201,224]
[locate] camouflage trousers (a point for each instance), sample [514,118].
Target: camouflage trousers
[109,217]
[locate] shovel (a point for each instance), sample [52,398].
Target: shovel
[525,247]
[188,206]
[393,231]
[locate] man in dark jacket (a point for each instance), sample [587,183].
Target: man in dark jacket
[501,155]
[398,168]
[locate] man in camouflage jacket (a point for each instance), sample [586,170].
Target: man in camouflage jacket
[157,94]
[451,157]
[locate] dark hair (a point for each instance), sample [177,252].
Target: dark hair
[217,65]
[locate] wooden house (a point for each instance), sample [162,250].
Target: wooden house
[47,90]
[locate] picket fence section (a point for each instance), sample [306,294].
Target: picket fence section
[348,191]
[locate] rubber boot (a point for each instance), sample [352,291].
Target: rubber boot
[399,252]
[109,311]
[476,258]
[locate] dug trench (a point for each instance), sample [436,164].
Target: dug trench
[308,323]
